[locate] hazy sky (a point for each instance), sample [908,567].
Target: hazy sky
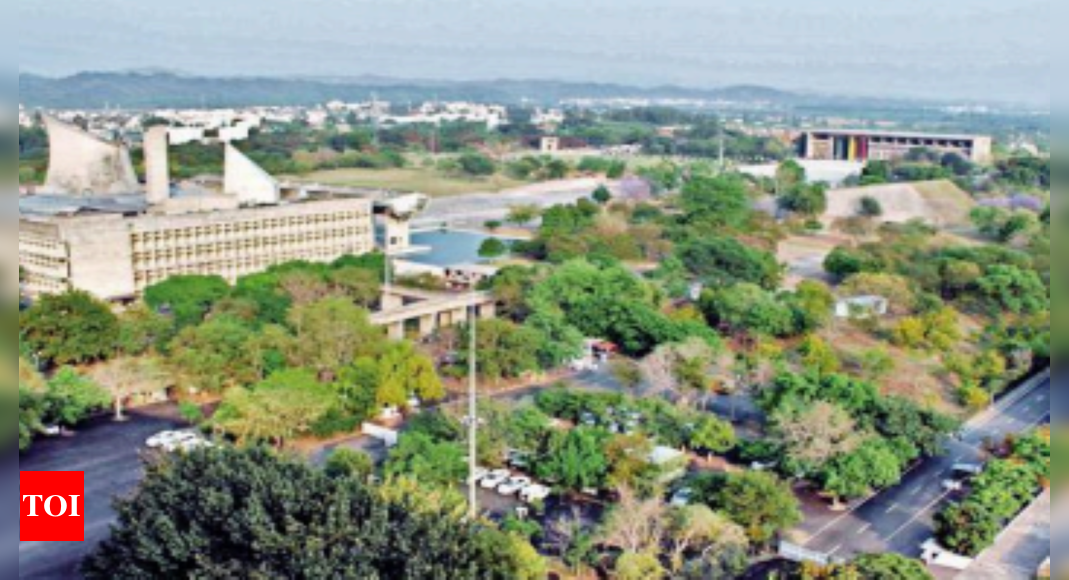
[961,49]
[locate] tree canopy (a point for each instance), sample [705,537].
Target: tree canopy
[69,328]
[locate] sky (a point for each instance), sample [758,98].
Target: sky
[980,50]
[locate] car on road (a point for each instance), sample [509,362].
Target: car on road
[534,493]
[514,485]
[953,485]
[967,469]
[51,430]
[192,444]
[171,441]
[495,478]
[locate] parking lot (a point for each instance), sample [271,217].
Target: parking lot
[109,454]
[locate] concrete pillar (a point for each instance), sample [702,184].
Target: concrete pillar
[428,325]
[398,234]
[397,331]
[391,302]
[157,169]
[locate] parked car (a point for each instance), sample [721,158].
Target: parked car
[682,497]
[953,485]
[514,485]
[967,469]
[479,474]
[495,478]
[534,493]
[518,459]
[51,430]
[166,438]
[192,444]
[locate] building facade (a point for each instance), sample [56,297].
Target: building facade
[861,146]
[117,255]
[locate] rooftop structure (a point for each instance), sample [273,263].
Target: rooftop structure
[851,145]
[83,164]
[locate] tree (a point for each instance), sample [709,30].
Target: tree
[815,434]
[304,286]
[724,261]
[807,200]
[187,298]
[492,248]
[216,355]
[431,463]
[896,289]
[747,309]
[476,164]
[968,528]
[142,329]
[869,207]
[505,350]
[370,534]
[69,328]
[790,175]
[713,436]
[891,567]
[813,304]
[522,215]
[760,503]
[873,465]
[818,356]
[126,377]
[352,463]
[602,195]
[715,202]
[645,566]
[1008,288]
[635,525]
[493,225]
[30,410]
[71,398]
[698,530]
[403,372]
[360,285]
[627,373]
[575,460]
[332,333]
[277,410]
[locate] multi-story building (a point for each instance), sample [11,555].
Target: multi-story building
[115,245]
[846,145]
[116,250]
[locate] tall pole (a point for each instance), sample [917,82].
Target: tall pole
[473,419]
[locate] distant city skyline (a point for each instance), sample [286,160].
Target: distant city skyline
[980,50]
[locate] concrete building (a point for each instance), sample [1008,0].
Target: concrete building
[115,246]
[82,164]
[846,145]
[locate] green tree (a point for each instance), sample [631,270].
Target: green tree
[429,462]
[71,398]
[278,410]
[870,207]
[216,355]
[522,215]
[790,175]
[724,261]
[808,200]
[760,503]
[639,567]
[818,356]
[891,567]
[505,350]
[602,195]
[218,501]
[332,333]
[492,248]
[1008,288]
[871,466]
[476,164]
[360,285]
[716,201]
[967,529]
[747,309]
[713,436]
[352,463]
[403,372]
[187,298]
[69,328]
[575,460]
[30,409]
[142,329]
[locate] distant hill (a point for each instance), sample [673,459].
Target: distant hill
[147,89]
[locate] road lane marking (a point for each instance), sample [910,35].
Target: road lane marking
[864,529]
[916,491]
[837,548]
[917,516]
[892,508]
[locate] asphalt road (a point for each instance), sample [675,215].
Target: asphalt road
[901,518]
[108,453]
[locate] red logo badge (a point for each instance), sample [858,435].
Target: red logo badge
[53,506]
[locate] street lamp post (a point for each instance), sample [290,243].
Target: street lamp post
[473,419]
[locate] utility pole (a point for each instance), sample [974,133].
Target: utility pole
[473,419]
[721,124]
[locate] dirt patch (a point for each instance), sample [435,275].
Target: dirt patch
[805,255]
[939,203]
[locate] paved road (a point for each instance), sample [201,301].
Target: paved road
[108,453]
[900,519]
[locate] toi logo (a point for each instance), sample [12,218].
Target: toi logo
[53,506]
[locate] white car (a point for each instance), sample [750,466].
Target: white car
[953,485]
[192,444]
[682,497]
[51,430]
[534,493]
[479,474]
[495,478]
[162,439]
[514,485]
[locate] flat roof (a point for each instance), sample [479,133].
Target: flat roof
[898,134]
[59,205]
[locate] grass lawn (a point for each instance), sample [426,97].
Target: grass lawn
[416,179]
